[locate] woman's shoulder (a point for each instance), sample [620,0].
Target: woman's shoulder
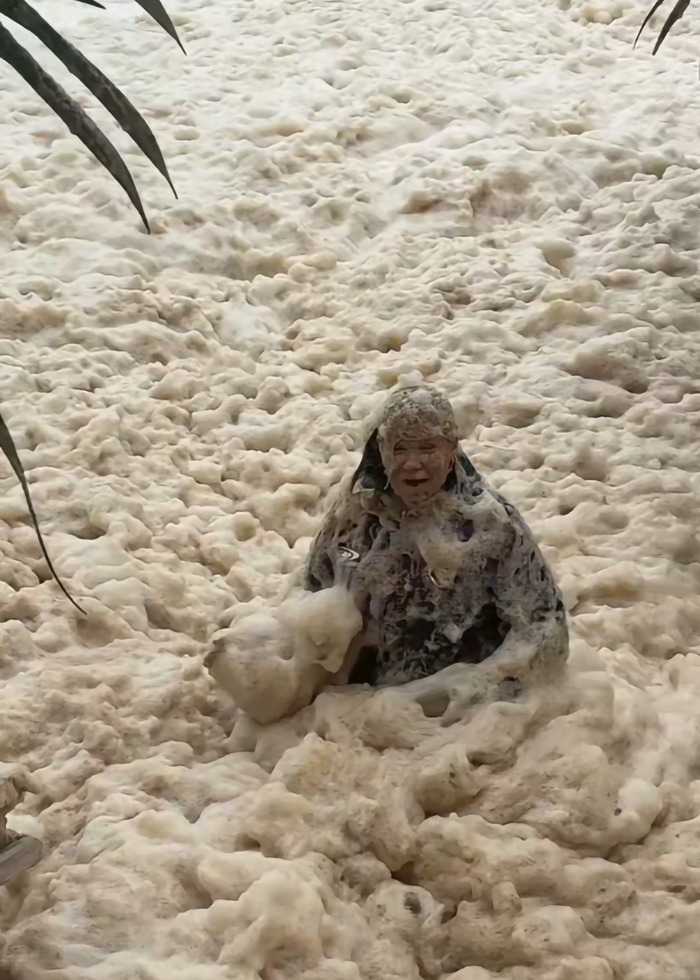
[346,504]
[506,506]
[477,496]
[482,510]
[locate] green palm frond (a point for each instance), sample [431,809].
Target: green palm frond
[10,450]
[80,124]
[677,12]
[156,10]
[56,97]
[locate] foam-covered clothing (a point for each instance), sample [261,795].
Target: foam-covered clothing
[460,579]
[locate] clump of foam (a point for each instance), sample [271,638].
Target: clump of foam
[272,660]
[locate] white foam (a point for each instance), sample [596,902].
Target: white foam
[499,198]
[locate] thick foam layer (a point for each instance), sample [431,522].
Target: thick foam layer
[498,198]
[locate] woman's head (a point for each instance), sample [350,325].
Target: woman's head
[417,438]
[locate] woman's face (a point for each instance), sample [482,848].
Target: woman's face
[420,467]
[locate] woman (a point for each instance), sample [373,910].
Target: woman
[443,569]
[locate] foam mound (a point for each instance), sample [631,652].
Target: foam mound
[275,658]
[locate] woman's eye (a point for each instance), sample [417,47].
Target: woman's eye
[401,454]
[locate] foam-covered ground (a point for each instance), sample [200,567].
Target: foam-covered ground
[501,197]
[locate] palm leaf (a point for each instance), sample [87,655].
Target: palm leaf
[10,450]
[646,20]
[673,18]
[156,10]
[80,124]
[678,10]
[160,15]
[72,115]
[93,79]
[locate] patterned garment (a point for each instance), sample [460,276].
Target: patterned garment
[453,581]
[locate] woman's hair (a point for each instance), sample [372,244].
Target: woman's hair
[416,412]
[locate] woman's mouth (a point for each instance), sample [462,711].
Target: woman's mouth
[416,482]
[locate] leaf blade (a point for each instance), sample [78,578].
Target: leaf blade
[116,103]
[77,121]
[673,18]
[156,10]
[650,14]
[7,445]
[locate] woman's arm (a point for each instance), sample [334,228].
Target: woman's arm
[321,573]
